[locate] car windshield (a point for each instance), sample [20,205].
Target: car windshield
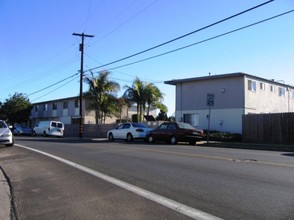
[137,125]
[185,126]
[2,124]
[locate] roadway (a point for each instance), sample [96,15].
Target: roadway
[94,179]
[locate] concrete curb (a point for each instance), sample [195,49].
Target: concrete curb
[5,197]
[249,146]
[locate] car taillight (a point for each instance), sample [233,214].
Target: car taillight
[139,130]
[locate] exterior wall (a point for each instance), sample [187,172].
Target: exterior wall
[263,100]
[67,111]
[226,114]
[225,120]
[234,95]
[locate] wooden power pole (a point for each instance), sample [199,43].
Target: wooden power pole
[81,80]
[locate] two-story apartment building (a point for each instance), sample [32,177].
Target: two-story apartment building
[232,96]
[67,110]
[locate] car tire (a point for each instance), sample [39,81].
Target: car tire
[150,139]
[34,134]
[129,137]
[110,137]
[44,134]
[10,145]
[173,140]
[192,142]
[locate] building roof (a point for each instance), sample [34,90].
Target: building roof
[223,76]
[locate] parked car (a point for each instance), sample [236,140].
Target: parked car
[49,128]
[22,130]
[6,136]
[173,132]
[128,131]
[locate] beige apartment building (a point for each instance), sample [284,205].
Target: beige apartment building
[67,110]
[225,98]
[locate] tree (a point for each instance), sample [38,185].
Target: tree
[102,92]
[135,93]
[154,97]
[162,116]
[143,94]
[16,109]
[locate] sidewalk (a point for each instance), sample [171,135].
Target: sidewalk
[5,196]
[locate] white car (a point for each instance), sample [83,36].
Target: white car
[6,136]
[128,131]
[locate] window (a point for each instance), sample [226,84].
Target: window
[65,105]
[54,106]
[172,127]
[262,86]
[36,108]
[251,85]
[76,103]
[45,107]
[292,94]
[192,119]
[272,88]
[282,91]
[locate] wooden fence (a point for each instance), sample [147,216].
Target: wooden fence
[89,130]
[275,128]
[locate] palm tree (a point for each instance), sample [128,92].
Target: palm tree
[103,92]
[144,94]
[135,93]
[154,97]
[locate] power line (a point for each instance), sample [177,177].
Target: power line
[185,35]
[203,41]
[56,89]
[54,84]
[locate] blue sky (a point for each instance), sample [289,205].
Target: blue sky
[38,48]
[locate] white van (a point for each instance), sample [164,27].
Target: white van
[49,128]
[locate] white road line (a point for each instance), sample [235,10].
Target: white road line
[174,205]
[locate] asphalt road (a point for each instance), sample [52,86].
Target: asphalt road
[223,183]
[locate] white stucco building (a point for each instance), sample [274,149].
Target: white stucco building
[233,95]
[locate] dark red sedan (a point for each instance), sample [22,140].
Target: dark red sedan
[174,132]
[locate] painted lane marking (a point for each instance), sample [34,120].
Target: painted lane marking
[174,205]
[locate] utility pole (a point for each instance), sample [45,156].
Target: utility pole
[81,80]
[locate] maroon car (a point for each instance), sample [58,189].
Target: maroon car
[173,132]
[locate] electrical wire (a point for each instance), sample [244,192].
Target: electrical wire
[54,84]
[55,89]
[167,42]
[125,22]
[203,41]
[182,36]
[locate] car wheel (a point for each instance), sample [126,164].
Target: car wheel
[192,142]
[110,137]
[129,137]
[150,139]
[44,134]
[10,145]
[34,134]
[173,140]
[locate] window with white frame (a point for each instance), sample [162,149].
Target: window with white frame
[76,103]
[262,86]
[45,107]
[192,119]
[282,91]
[252,85]
[65,105]
[272,88]
[54,105]
[292,94]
